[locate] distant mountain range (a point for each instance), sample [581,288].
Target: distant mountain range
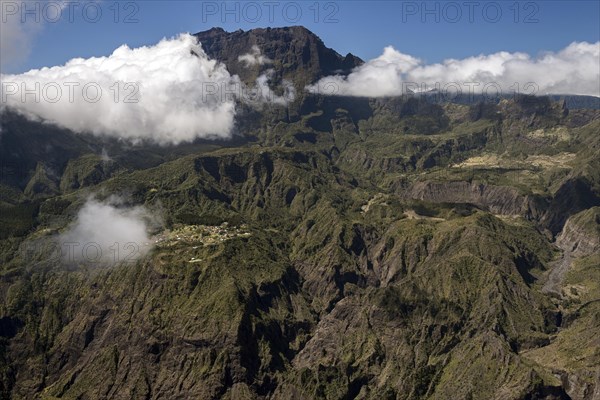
[302,57]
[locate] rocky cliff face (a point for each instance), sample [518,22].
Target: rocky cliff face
[495,199]
[573,196]
[581,233]
[291,54]
[295,53]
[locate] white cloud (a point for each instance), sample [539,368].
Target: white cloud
[167,93]
[254,57]
[105,157]
[573,70]
[16,36]
[20,23]
[106,233]
[262,94]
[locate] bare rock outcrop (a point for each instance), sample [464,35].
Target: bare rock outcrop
[496,199]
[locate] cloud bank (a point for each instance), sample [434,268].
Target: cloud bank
[106,233]
[167,93]
[573,70]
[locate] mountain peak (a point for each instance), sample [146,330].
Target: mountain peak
[294,53]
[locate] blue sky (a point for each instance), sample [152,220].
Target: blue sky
[432,31]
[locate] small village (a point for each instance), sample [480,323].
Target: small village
[200,235]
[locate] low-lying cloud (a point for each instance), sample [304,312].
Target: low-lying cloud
[106,232]
[262,93]
[168,93]
[155,93]
[573,70]
[255,57]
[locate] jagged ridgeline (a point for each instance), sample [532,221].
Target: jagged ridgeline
[335,248]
